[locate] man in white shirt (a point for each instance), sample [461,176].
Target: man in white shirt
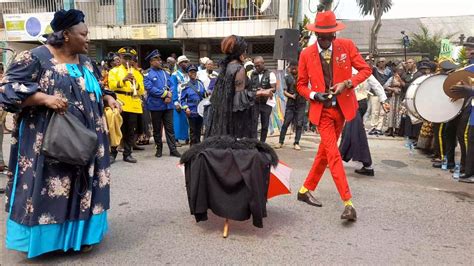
[262,79]
[208,76]
[354,145]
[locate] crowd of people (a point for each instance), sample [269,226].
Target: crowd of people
[170,96]
[392,118]
[167,94]
[222,10]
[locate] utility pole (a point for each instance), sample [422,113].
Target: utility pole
[296,14]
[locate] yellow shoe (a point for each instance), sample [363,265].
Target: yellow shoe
[297,147]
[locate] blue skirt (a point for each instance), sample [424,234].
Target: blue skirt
[39,239]
[180,125]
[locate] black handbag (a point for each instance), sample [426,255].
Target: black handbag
[67,140]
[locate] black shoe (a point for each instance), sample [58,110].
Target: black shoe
[2,190]
[129,159]
[112,159]
[138,148]
[373,131]
[466,179]
[175,153]
[308,198]
[389,132]
[365,171]
[349,213]
[158,153]
[159,150]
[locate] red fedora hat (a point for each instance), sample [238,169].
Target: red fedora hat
[325,22]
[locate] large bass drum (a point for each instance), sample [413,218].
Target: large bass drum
[426,100]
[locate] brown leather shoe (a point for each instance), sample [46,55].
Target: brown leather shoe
[308,198]
[349,213]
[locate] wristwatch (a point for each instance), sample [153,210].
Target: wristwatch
[348,83]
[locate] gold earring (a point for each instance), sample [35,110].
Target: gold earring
[66,39]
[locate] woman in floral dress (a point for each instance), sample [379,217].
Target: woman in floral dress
[54,205]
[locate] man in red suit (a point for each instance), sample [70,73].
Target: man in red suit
[325,79]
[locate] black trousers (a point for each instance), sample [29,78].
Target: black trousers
[470,153]
[163,119]
[264,110]
[457,131]
[437,139]
[362,108]
[129,127]
[195,127]
[293,114]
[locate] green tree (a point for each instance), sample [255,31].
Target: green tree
[376,8]
[425,42]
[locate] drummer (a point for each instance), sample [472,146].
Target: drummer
[192,94]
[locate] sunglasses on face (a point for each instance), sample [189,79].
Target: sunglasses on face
[326,37]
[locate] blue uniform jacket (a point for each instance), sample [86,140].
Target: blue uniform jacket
[157,84]
[190,99]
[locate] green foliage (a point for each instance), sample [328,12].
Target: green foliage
[425,42]
[304,33]
[367,7]
[462,57]
[376,8]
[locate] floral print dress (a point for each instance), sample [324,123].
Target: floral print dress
[41,191]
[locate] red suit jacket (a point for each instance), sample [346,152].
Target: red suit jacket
[344,56]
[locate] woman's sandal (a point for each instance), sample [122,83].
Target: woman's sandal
[86,248]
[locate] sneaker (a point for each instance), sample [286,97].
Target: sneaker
[297,147]
[278,146]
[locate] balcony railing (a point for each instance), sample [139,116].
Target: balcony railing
[98,13]
[28,6]
[222,10]
[104,12]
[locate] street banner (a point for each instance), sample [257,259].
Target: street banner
[27,27]
[446,50]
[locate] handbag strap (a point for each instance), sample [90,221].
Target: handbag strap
[196,91]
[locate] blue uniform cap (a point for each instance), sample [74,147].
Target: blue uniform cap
[191,68]
[153,54]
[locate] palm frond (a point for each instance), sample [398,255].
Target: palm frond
[325,5]
[367,7]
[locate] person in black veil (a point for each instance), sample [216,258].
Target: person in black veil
[229,171]
[232,101]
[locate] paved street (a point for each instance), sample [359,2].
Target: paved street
[408,213]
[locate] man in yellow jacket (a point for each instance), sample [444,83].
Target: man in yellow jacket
[127,83]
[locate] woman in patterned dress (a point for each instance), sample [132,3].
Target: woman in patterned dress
[54,205]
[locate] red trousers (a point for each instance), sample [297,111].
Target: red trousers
[330,128]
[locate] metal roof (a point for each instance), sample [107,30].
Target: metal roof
[389,37]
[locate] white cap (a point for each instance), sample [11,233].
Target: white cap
[204,60]
[182,58]
[248,63]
